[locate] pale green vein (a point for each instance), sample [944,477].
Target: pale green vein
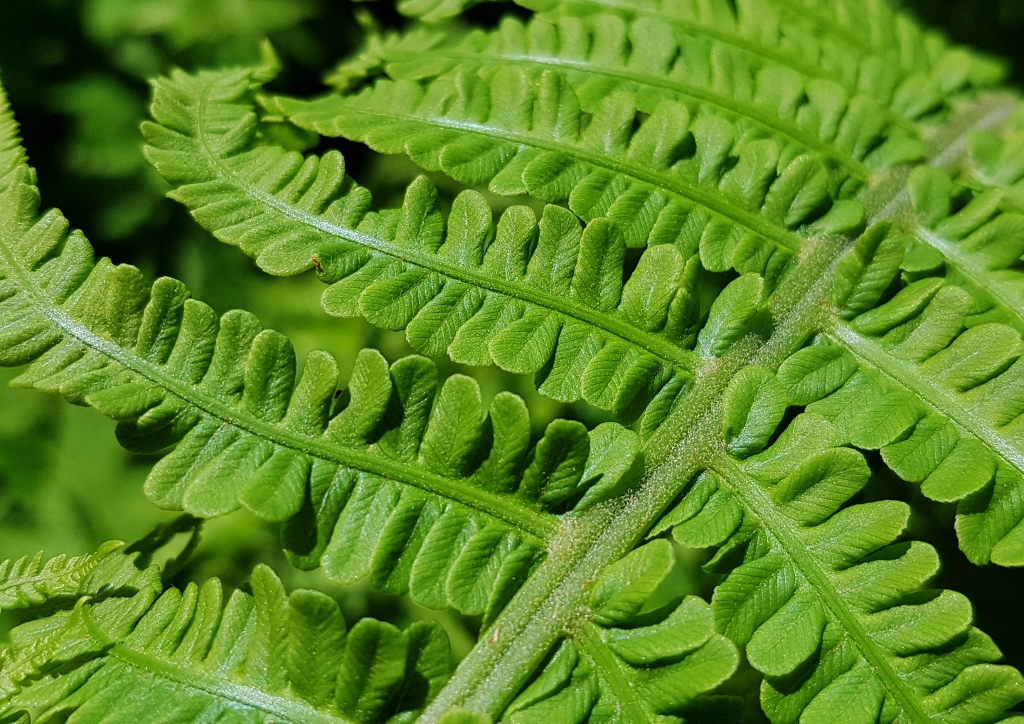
[716,33]
[736,40]
[979,276]
[290,710]
[675,186]
[756,500]
[723,102]
[941,400]
[631,708]
[511,511]
[657,346]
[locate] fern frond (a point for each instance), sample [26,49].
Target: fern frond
[403,291]
[28,582]
[459,502]
[823,600]
[867,47]
[620,667]
[976,247]
[940,401]
[191,656]
[543,297]
[670,180]
[602,54]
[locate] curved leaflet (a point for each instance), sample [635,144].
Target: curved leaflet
[464,498]
[823,599]
[532,296]
[191,655]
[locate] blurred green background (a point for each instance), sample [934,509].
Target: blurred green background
[76,72]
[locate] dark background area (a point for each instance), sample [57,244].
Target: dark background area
[76,72]
[996,26]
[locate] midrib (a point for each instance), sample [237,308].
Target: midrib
[683,445]
[537,524]
[551,602]
[633,709]
[712,201]
[979,276]
[783,529]
[731,105]
[736,40]
[946,145]
[222,689]
[659,347]
[578,565]
[789,60]
[941,400]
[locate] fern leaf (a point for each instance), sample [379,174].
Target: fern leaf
[976,247]
[429,495]
[940,403]
[602,54]
[980,537]
[818,593]
[191,656]
[994,157]
[621,666]
[668,181]
[543,297]
[32,582]
[914,378]
[866,47]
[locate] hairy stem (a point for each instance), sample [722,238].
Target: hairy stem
[553,602]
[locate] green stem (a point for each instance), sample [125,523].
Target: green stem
[631,708]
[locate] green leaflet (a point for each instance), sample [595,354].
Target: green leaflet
[867,47]
[726,158]
[994,158]
[671,180]
[624,587]
[542,296]
[616,667]
[933,386]
[29,582]
[977,247]
[864,47]
[425,495]
[148,654]
[604,53]
[823,600]
[939,402]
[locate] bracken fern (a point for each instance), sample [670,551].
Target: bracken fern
[778,241]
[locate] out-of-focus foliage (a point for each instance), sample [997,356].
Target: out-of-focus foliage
[60,468]
[78,71]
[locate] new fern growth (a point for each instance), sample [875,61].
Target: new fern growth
[777,243]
